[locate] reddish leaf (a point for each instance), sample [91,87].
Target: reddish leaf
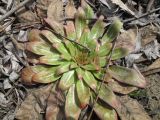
[72,110]
[128,76]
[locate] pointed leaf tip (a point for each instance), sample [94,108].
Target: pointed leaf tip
[107,95]
[112,31]
[67,80]
[128,76]
[97,29]
[82,93]
[72,110]
[105,113]
[80,22]
[46,76]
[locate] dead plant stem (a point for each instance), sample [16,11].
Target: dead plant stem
[103,78]
[143,15]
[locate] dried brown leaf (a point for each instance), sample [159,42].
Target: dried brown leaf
[55,10]
[123,6]
[127,40]
[34,104]
[54,102]
[131,110]
[153,68]
[120,87]
[27,16]
[70,9]
[148,34]
[154,65]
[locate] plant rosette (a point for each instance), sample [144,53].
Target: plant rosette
[76,58]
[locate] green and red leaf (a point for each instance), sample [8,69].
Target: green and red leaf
[51,60]
[104,49]
[67,80]
[39,48]
[119,53]
[50,36]
[97,29]
[104,112]
[107,95]
[112,31]
[72,109]
[90,79]
[127,75]
[83,93]
[46,76]
[80,22]
[64,67]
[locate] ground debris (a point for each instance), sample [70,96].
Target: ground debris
[132,110]
[13,34]
[34,104]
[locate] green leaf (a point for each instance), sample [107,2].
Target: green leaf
[91,44]
[84,39]
[64,67]
[67,80]
[91,66]
[71,48]
[89,13]
[50,60]
[90,80]
[98,74]
[79,72]
[73,65]
[50,36]
[103,61]
[39,48]
[105,113]
[72,110]
[107,95]
[46,76]
[80,22]
[60,47]
[97,29]
[112,31]
[104,49]
[82,93]
[119,53]
[127,75]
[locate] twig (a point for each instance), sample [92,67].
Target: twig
[73,41]
[13,10]
[150,72]
[2,10]
[143,15]
[103,78]
[17,48]
[72,19]
[150,3]
[26,25]
[124,21]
